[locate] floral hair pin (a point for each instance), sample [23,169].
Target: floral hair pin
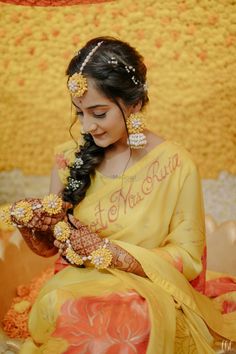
[77,83]
[78,162]
[73,184]
[129,69]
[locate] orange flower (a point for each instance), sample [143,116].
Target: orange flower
[105,324]
[61,161]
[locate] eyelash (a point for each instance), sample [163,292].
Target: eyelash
[80,114]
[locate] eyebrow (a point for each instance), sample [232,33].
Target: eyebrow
[91,107]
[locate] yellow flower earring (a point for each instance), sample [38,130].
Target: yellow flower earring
[135,125]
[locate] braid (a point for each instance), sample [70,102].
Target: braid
[119,73]
[91,155]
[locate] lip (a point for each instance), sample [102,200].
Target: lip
[98,135]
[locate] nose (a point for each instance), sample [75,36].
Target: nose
[89,126]
[92,128]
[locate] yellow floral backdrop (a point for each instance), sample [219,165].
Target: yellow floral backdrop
[189,48]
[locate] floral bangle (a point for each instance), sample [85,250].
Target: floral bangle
[22,211]
[61,231]
[101,258]
[52,204]
[5,215]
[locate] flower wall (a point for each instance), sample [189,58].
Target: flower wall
[189,48]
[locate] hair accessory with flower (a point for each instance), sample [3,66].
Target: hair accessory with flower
[77,83]
[73,184]
[78,162]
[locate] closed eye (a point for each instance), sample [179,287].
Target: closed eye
[102,115]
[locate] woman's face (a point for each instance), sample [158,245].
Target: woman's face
[101,117]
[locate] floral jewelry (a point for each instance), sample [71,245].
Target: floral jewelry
[73,257]
[78,162]
[61,231]
[22,211]
[129,69]
[73,184]
[52,204]
[135,125]
[5,215]
[77,83]
[101,258]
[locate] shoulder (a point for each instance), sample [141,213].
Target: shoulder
[65,154]
[64,157]
[171,149]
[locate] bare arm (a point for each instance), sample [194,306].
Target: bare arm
[56,185]
[42,242]
[124,261]
[84,242]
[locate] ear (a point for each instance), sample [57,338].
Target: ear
[136,107]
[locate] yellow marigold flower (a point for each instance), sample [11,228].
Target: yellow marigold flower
[22,211]
[77,85]
[22,306]
[52,204]
[61,231]
[101,258]
[5,215]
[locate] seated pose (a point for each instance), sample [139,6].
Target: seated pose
[127,218]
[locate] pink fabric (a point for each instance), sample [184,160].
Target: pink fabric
[219,286]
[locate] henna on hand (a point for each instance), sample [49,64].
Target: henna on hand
[83,241]
[124,261]
[41,220]
[41,243]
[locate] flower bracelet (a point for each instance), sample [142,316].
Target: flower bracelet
[101,258]
[22,212]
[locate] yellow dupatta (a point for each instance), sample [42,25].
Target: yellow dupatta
[153,210]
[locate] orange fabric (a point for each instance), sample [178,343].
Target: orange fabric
[117,323]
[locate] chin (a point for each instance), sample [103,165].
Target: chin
[102,144]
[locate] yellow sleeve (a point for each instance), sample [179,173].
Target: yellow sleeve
[64,157]
[185,241]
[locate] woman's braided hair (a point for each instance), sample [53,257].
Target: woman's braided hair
[109,69]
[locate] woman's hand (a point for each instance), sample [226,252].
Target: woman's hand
[41,218]
[84,243]
[82,240]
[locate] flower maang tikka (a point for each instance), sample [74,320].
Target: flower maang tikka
[77,83]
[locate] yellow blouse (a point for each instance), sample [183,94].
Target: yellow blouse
[153,211]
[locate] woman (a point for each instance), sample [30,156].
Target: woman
[130,229]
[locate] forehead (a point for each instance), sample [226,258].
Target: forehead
[91,97]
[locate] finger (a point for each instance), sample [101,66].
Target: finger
[67,205]
[75,222]
[58,244]
[44,228]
